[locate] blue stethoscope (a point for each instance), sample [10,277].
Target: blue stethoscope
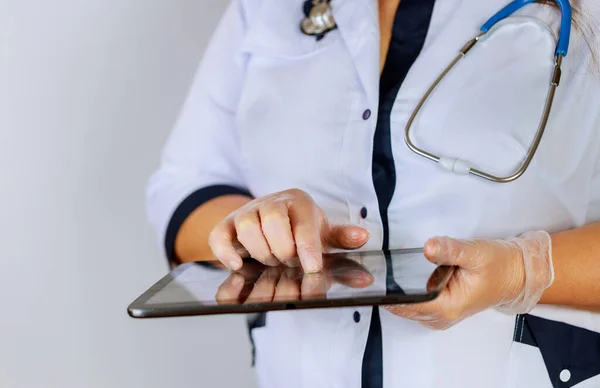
[320,21]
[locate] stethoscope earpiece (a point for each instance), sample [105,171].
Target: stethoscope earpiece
[318,19]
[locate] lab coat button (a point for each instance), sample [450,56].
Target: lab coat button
[363,212]
[356,316]
[565,375]
[367,114]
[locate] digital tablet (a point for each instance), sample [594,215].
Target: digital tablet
[347,279]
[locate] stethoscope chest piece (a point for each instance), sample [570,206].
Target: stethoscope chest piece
[319,18]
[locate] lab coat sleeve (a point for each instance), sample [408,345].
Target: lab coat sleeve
[201,159]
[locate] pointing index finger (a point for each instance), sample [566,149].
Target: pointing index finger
[306,226]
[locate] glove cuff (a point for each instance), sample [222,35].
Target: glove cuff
[536,253]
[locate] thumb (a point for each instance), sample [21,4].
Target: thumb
[346,236]
[452,252]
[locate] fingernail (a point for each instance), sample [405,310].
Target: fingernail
[357,232]
[359,235]
[440,245]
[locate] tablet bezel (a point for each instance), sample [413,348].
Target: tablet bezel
[139,309]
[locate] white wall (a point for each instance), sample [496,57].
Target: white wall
[88,92]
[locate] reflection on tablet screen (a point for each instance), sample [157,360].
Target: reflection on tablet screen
[345,275]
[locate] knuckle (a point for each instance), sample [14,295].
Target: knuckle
[244,208]
[272,218]
[243,236]
[296,192]
[243,220]
[301,195]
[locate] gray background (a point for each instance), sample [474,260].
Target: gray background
[89,90]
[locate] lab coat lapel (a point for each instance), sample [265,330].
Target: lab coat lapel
[358,22]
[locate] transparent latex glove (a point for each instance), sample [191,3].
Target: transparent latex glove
[287,227]
[509,275]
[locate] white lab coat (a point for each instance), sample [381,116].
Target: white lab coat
[272,109]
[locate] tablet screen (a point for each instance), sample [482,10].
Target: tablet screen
[346,279]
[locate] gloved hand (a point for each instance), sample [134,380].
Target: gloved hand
[509,275]
[286,227]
